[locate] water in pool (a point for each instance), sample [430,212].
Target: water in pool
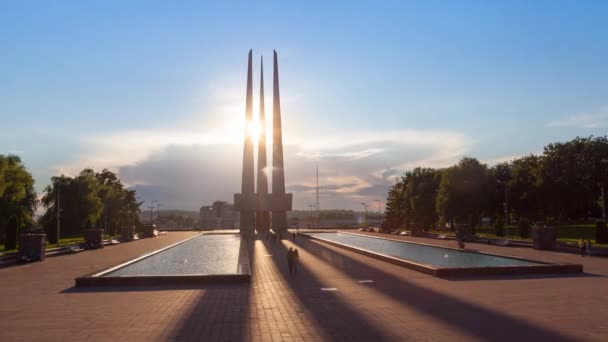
[434,256]
[205,254]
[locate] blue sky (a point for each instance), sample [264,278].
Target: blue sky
[156,90]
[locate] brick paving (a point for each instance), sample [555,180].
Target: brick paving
[38,301]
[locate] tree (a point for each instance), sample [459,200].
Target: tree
[463,191]
[17,199]
[83,201]
[394,209]
[421,191]
[526,186]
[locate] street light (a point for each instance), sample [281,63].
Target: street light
[151,208]
[603,202]
[506,208]
[59,210]
[365,217]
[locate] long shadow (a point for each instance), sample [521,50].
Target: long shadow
[486,324]
[221,313]
[333,315]
[524,276]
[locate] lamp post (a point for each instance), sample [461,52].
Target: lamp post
[58,210]
[603,202]
[158,213]
[311,220]
[365,217]
[152,208]
[506,208]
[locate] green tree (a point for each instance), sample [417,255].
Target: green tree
[395,205]
[526,187]
[89,200]
[463,191]
[17,199]
[421,191]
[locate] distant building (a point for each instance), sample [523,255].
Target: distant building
[220,215]
[168,225]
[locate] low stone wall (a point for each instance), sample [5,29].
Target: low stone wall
[544,238]
[93,238]
[31,247]
[127,233]
[148,230]
[464,232]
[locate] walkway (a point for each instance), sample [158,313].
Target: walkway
[38,302]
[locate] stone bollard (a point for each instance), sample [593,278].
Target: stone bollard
[417,231]
[464,232]
[127,233]
[93,238]
[544,237]
[32,247]
[148,230]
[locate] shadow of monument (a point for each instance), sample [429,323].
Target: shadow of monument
[486,324]
[335,317]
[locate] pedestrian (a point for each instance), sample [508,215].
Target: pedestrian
[588,247]
[290,258]
[296,260]
[293,236]
[581,245]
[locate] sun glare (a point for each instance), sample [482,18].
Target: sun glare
[253,131]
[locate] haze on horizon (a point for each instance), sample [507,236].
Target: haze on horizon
[156,92]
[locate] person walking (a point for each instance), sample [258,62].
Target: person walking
[290,260]
[581,245]
[296,261]
[588,247]
[293,236]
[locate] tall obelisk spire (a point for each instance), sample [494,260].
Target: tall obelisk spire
[248,181]
[262,217]
[279,215]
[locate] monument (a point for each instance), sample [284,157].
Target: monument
[262,216]
[261,209]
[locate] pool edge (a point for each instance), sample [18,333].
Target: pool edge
[96,278]
[545,268]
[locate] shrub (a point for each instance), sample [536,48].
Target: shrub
[524,228]
[499,227]
[601,232]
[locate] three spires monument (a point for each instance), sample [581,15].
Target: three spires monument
[263,210]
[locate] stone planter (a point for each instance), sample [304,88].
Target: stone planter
[32,247]
[148,230]
[544,238]
[464,232]
[127,233]
[93,238]
[416,231]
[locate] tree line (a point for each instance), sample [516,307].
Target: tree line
[17,199]
[90,199]
[561,185]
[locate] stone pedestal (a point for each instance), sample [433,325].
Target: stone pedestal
[544,238]
[93,238]
[148,230]
[127,233]
[32,247]
[417,231]
[464,232]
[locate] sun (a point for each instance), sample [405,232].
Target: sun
[253,131]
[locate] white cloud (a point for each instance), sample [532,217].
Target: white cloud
[584,120]
[189,166]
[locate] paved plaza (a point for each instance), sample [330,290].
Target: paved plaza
[39,303]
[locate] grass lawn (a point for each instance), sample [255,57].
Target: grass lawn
[564,233]
[62,242]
